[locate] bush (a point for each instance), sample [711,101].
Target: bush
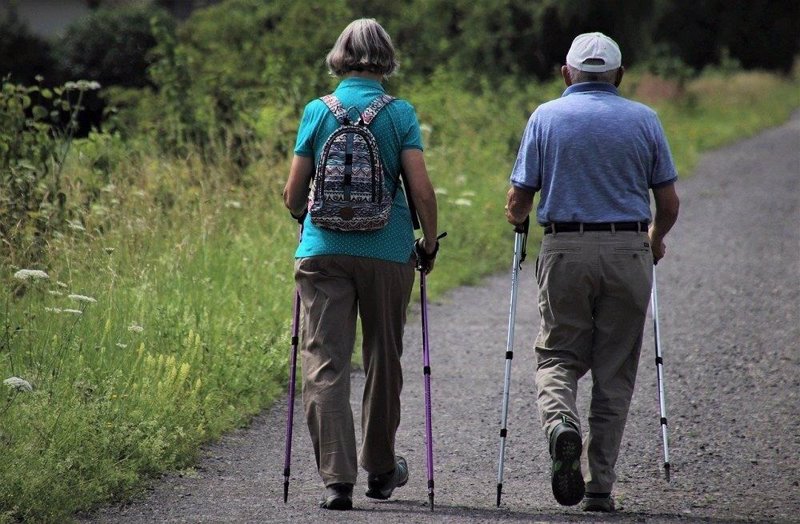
[112,47]
[33,147]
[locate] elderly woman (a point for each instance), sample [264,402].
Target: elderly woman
[345,274]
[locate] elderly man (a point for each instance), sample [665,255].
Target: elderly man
[594,157]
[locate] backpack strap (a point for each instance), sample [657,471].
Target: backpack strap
[374,107]
[336,107]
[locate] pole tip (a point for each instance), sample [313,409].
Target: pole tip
[666,471]
[430,499]
[499,493]
[285,491]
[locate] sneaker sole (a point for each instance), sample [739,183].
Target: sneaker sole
[567,482]
[601,506]
[338,503]
[379,495]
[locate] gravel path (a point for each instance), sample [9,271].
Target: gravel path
[728,294]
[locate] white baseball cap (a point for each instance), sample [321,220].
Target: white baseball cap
[594,53]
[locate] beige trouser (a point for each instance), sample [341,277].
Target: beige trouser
[594,289]
[334,290]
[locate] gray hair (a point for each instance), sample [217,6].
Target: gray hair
[577,76]
[363,46]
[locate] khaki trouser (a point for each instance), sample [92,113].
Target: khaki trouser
[594,289]
[334,290]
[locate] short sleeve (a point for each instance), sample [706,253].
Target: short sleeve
[304,146]
[527,167]
[664,172]
[412,138]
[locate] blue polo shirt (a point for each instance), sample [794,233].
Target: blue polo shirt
[396,128]
[593,156]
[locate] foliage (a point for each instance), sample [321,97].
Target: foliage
[33,148]
[760,34]
[110,46]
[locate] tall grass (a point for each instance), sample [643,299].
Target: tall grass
[180,330]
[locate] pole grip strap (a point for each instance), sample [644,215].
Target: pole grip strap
[426,370]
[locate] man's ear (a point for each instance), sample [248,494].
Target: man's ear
[565,74]
[620,72]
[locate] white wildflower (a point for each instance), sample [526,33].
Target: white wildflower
[121,345]
[54,309]
[425,128]
[75,226]
[55,292]
[462,202]
[18,383]
[73,311]
[461,180]
[109,250]
[468,194]
[61,284]
[233,204]
[440,191]
[135,328]
[82,298]
[82,85]
[30,274]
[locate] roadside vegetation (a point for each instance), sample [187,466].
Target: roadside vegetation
[147,263]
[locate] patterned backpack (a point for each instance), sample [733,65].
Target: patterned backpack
[348,191]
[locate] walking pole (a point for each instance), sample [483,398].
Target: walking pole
[662,401]
[520,244]
[292,372]
[426,368]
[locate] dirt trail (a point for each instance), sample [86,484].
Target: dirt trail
[729,291]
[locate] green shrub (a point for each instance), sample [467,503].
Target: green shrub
[33,148]
[110,46]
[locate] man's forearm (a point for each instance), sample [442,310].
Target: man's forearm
[667,206]
[518,205]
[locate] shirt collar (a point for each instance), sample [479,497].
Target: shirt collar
[585,87]
[361,81]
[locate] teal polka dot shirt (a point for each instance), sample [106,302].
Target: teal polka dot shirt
[396,128]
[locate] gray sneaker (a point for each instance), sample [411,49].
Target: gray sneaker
[565,451]
[598,502]
[381,486]
[338,497]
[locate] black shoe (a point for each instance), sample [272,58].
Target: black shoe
[565,450]
[381,486]
[338,497]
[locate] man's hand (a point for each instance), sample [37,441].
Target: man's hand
[658,247]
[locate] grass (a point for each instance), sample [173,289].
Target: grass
[191,277]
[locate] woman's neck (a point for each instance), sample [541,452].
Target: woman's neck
[364,74]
